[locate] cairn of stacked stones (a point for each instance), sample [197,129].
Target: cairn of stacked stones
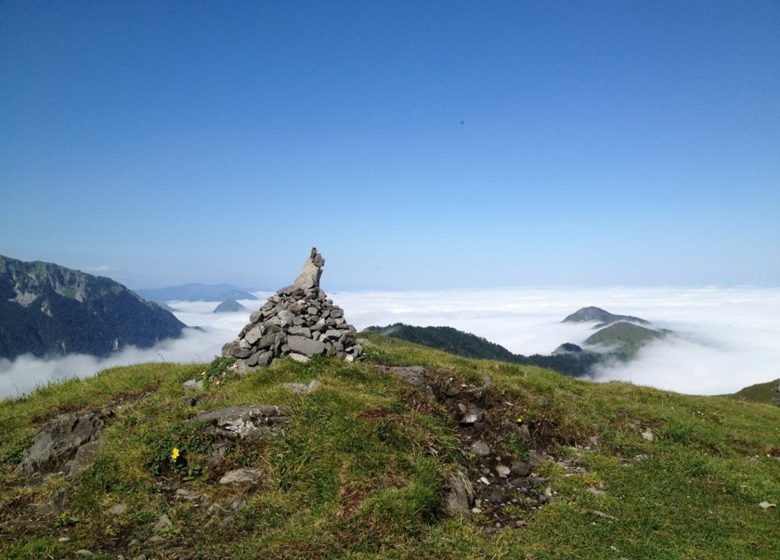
[298,321]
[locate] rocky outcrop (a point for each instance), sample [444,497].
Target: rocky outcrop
[248,422]
[298,321]
[64,444]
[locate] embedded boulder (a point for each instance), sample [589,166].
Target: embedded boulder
[247,422]
[298,321]
[66,443]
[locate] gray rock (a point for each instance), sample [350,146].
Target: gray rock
[300,331]
[254,334]
[305,346]
[481,449]
[312,271]
[242,476]
[256,316]
[163,523]
[502,471]
[648,435]
[300,358]
[284,318]
[332,334]
[459,495]
[520,468]
[301,389]
[58,444]
[193,385]
[187,495]
[117,509]
[414,375]
[247,422]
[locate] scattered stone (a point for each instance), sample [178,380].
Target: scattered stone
[648,435]
[459,496]
[484,480]
[471,417]
[65,444]
[63,539]
[155,540]
[187,495]
[299,321]
[163,523]
[298,358]
[602,514]
[117,509]
[303,389]
[83,552]
[259,422]
[766,505]
[242,476]
[520,468]
[481,449]
[595,491]
[502,471]
[193,385]
[414,375]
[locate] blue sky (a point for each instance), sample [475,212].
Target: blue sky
[417,144]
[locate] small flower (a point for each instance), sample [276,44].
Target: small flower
[175,454]
[203,374]
[217,382]
[519,420]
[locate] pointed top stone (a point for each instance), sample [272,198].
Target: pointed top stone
[312,271]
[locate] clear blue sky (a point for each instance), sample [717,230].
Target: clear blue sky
[417,144]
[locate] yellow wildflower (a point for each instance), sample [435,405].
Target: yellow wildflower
[175,454]
[519,420]
[203,374]
[217,382]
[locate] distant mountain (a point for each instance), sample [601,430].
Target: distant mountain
[196,292]
[768,392]
[470,345]
[49,309]
[229,306]
[623,339]
[604,318]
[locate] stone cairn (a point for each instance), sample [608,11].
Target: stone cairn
[298,321]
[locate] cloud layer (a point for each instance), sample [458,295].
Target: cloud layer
[728,338]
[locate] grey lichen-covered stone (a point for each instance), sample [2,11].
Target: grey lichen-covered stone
[303,389]
[459,496]
[481,449]
[248,422]
[312,271]
[305,346]
[242,476]
[65,444]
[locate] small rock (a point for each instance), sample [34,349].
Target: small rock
[187,495]
[117,509]
[481,449]
[548,492]
[648,435]
[242,476]
[484,480]
[301,389]
[63,539]
[502,471]
[300,358]
[459,496]
[155,540]
[476,510]
[595,491]
[83,552]
[193,385]
[520,468]
[766,505]
[163,523]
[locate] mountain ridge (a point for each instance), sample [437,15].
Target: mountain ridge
[49,309]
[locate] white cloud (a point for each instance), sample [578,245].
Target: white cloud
[729,338]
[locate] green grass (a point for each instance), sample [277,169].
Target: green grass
[355,475]
[761,392]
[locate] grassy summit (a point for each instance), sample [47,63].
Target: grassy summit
[361,469]
[622,338]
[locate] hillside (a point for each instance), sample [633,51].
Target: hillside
[363,463]
[470,345]
[623,339]
[195,292]
[761,392]
[47,309]
[601,316]
[229,306]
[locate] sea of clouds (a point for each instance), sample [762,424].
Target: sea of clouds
[726,338]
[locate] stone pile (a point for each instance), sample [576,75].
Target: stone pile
[298,321]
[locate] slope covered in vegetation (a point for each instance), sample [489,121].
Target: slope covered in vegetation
[364,463]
